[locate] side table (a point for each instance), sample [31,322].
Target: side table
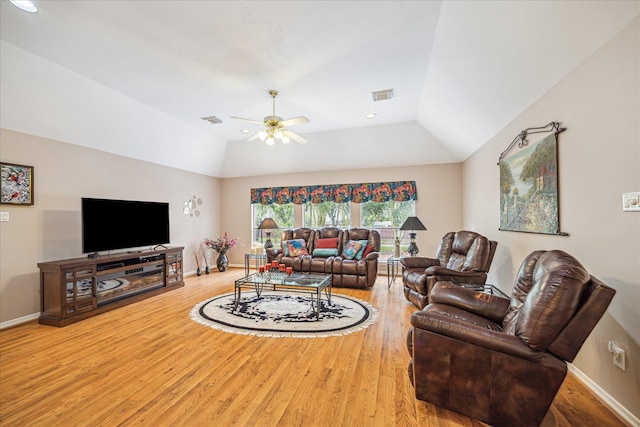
[393,268]
[259,261]
[486,288]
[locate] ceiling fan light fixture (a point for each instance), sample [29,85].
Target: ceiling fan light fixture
[275,128]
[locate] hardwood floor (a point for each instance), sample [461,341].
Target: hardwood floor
[150,364]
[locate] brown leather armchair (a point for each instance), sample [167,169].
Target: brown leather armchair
[499,360]
[357,273]
[462,257]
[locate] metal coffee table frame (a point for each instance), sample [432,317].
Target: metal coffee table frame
[304,283]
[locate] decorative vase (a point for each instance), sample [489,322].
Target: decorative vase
[222,262]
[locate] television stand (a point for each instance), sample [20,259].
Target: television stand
[76,289]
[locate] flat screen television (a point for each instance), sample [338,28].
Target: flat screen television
[123,224]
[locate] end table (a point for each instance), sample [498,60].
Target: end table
[259,260]
[393,268]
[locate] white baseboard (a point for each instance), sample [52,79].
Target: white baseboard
[620,411]
[19,320]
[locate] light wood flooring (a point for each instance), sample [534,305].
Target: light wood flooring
[149,364]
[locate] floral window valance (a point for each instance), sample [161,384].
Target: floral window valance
[398,191]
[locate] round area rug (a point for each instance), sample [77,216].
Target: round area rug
[277,314]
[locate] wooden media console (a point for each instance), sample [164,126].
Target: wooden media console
[79,288]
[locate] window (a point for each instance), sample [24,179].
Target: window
[380,205]
[387,217]
[281,214]
[327,214]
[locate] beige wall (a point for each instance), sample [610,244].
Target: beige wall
[50,229]
[599,158]
[64,173]
[439,202]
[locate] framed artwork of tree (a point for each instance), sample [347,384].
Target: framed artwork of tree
[529,183]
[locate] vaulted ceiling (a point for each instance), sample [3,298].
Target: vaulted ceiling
[136,77]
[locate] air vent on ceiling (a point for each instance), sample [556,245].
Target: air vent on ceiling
[382,95]
[212,119]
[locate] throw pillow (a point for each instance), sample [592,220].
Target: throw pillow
[351,249]
[367,250]
[361,251]
[325,252]
[329,243]
[297,247]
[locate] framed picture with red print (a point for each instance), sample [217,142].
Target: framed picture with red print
[16,184]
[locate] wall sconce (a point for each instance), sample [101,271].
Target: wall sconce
[412,224]
[268,224]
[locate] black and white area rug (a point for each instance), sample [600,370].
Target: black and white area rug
[277,314]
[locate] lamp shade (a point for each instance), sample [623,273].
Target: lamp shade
[412,223]
[267,224]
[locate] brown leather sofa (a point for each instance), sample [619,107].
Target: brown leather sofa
[462,257]
[350,273]
[499,360]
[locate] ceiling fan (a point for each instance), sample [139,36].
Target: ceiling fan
[275,127]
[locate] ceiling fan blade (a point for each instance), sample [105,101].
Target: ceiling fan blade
[248,120]
[297,138]
[253,137]
[295,121]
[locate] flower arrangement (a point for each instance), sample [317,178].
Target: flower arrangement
[222,244]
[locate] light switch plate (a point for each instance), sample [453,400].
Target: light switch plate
[631,202]
[4,216]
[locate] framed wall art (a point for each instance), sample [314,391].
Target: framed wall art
[16,184]
[529,183]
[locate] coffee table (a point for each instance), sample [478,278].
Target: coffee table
[312,284]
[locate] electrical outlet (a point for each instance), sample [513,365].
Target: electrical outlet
[4,216]
[619,358]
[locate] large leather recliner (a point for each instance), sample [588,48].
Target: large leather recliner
[462,257]
[500,360]
[351,273]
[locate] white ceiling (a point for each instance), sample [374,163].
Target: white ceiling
[135,77]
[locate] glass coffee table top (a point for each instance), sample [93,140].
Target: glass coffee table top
[287,280]
[312,284]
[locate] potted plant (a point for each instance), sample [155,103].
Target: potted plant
[221,245]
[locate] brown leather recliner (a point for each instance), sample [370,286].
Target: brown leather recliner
[357,273]
[462,257]
[499,360]
[277,254]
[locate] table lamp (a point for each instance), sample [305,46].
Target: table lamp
[412,224]
[268,224]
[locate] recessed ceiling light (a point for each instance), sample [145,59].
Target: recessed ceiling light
[245,131]
[371,116]
[25,5]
